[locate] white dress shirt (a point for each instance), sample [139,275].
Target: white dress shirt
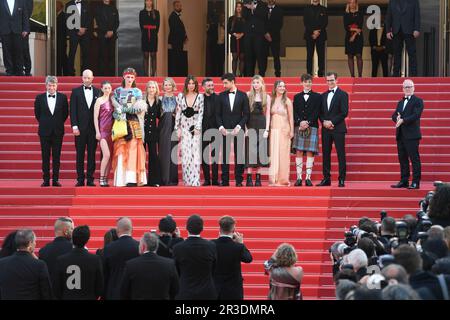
[306,97]
[79,8]
[51,103]
[232,97]
[11,5]
[405,102]
[330,97]
[89,96]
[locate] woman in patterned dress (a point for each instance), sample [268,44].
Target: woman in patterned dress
[188,123]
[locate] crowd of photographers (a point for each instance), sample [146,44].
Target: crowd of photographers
[397,259]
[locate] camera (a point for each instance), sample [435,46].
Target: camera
[425,202]
[402,231]
[385,260]
[423,222]
[437,183]
[383,214]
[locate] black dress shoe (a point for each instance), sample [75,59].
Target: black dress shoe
[341,183]
[239,184]
[206,183]
[225,184]
[56,184]
[45,184]
[401,184]
[258,180]
[308,183]
[131,184]
[79,184]
[414,185]
[249,182]
[298,183]
[324,183]
[90,184]
[215,183]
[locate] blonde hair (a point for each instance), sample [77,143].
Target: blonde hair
[347,7]
[172,83]
[252,93]
[285,255]
[152,83]
[274,93]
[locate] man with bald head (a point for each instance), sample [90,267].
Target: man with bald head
[407,123]
[116,254]
[82,101]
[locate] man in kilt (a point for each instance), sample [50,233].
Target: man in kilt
[307,106]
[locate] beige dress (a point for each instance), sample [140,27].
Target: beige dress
[280,146]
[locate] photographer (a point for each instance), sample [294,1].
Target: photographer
[368,246]
[169,236]
[439,208]
[387,232]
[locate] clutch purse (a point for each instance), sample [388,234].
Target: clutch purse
[119,129]
[188,112]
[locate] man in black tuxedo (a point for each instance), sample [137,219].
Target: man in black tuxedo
[79,274]
[407,123]
[212,140]
[149,277]
[274,26]
[82,101]
[255,15]
[26,42]
[332,115]
[232,114]
[403,25]
[377,40]
[315,19]
[14,28]
[51,110]
[177,39]
[79,27]
[195,259]
[22,276]
[61,245]
[231,251]
[107,18]
[169,236]
[116,254]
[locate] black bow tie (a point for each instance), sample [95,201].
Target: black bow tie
[306,93]
[329,91]
[231,92]
[52,96]
[406,98]
[78,1]
[87,88]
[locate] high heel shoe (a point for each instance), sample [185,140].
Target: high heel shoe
[104,182]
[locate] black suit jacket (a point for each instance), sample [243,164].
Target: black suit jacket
[177,31]
[88,267]
[407,18]
[51,251]
[16,23]
[315,18]
[256,23]
[107,18]
[410,129]
[373,38]
[150,121]
[166,244]
[195,259]
[338,110]
[51,124]
[228,274]
[80,114]
[86,17]
[209,112]
[22,277]
[309,110]
[150,277]
[240,114]
[115,256]
[275,22]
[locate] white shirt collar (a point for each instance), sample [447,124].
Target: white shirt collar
[194,236]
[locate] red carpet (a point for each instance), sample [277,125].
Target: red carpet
[309,218]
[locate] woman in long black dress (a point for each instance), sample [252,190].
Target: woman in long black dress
[152,133]
[149,22]
[354,41]
[236,26]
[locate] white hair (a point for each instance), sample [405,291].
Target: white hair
[358,259]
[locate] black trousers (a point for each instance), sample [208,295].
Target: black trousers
[208,150]
[410,42]
[378,57]
[12,45]
[218,60]
[106,54]
[239,157]
[178,63]
[274,47]
[154,167]
[85,141]
[327,143]
[319,44]
[254,51]
[26,55]
[51,145]
[84,42]
[408,150]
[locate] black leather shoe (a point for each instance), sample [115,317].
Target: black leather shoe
[414,185]
[215,183]
[324,183]
[90,184]
[258,180]
[401,184]
[45,184]
[239,184]
[308,183]
[207,183]
[56,184]
[225,184]
[79,184]
[131,184]
[298,183]
[341,183]
[249,182]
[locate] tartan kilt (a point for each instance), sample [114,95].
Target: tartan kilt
[310,143]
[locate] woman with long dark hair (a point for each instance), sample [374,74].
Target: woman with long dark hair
[236,25]
[149,22]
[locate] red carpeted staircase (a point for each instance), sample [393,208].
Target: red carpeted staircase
[309,218]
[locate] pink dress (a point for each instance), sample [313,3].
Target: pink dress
[105,122]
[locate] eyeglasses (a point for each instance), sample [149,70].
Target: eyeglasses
[331,80]
[408,87]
